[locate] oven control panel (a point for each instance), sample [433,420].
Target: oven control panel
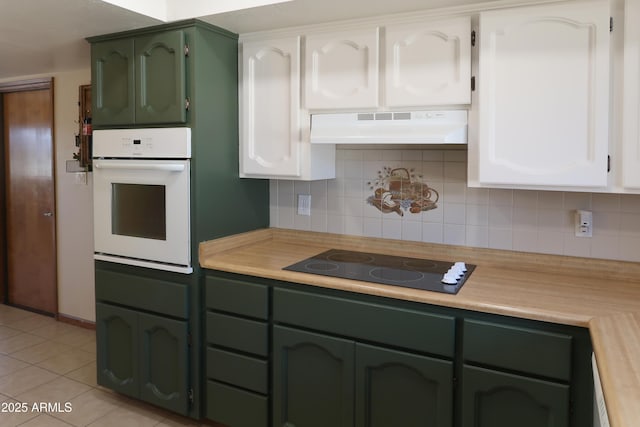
[156,143]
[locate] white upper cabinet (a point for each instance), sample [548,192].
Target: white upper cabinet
[341,69]
[274,130]
[428,63]
[270,108]
[631,102]
[543,92]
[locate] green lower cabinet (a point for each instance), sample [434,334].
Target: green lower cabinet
[143,356]
[313,379]
[164,362]
[117,344]
[496,399]
[304,357]
[235,407]
[394,388]
[326,381]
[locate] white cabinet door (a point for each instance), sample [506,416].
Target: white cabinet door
[429,63]
[543,96]
[270,108]
[631,115]
[342,70]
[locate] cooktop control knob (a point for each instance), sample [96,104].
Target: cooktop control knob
[455,272]
[461,266]
[449,279]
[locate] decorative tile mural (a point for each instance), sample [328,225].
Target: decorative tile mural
[401,190]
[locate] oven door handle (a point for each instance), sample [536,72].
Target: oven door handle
[171,167]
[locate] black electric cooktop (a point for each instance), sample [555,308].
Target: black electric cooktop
[387,270]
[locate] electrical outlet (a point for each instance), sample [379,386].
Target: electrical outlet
[584,223]
[304,204]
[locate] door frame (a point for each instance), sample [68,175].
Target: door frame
[45,83]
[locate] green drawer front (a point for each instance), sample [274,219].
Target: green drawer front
[144,293]
[237,333]
[410,329]
[525,350]
[234,407]
[237,297]
[236,369]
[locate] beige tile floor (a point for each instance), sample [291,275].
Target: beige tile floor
[46,361]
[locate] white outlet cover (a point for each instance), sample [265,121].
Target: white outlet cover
[304,204]
[583,223]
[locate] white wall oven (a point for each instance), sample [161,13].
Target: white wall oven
[141,197]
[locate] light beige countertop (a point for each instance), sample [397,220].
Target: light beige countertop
[601,295]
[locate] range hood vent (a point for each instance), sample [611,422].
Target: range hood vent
[406,127]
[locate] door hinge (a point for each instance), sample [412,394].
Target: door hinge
[473,38]
[190,396]
[187,104]
[610,23]
[473,83]
[186,50]
[189,340]
[608,163]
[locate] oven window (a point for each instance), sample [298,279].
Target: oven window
[139,210]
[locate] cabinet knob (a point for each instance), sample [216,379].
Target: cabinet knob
[48,214]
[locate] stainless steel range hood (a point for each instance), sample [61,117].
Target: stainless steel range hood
[407,127]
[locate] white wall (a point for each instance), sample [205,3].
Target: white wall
[74,205]
[518,220]
[74,211]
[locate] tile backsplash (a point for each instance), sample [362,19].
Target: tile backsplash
[421,195]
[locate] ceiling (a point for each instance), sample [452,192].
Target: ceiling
[45,36]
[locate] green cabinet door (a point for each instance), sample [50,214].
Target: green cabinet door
[395,388]
[313,379]
[117,344]
[164,362]
[160,78]
[113,82]
[143,356]
[497,399]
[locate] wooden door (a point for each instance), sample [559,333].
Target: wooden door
[30,199]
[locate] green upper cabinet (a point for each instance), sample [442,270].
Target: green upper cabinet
[113,79]
[160,78]
[140,80]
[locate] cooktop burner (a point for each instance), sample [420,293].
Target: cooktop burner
[414,273]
